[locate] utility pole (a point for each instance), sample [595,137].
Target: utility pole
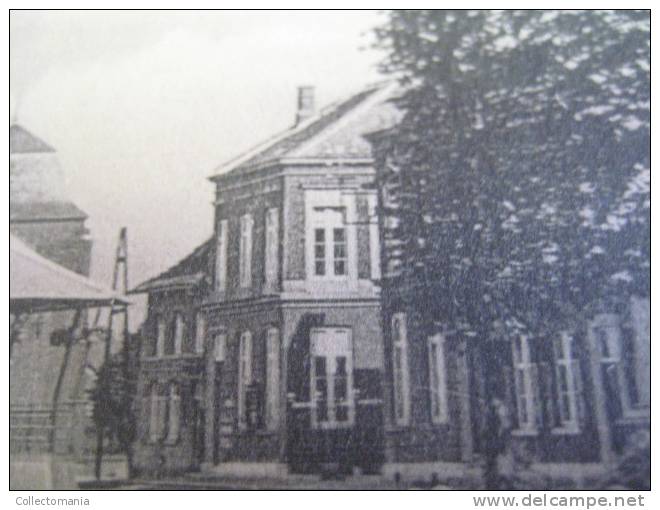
[121,285]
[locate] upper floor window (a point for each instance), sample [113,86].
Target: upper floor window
[438,379]
[221,257]
[200,332]
[179,332]
[330,252]
[245,251]
[400,369]
[161,336]
[219,346]
[272,246]
[244,376]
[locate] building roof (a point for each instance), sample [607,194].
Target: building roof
[21,141]
[335,133]
[44,211]
[188,272]
[37,284]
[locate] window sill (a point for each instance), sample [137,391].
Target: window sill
[525,433]
[565,431]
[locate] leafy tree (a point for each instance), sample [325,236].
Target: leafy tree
[113,399]
[518,182]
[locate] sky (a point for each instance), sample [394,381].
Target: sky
[142,107]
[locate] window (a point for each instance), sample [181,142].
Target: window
[157,405]
[374,239]
[180,332]
[332,378]
[330,247]
[161,336]
[624,369]
[438,379]
[245,260]
[272,246]
[244,375]
[400,369]
[272,378]
[221,258]
[173,413]
[525,383]
[568,382]
[219,346]
[200,332]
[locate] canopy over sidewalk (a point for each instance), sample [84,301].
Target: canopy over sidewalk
[37,284]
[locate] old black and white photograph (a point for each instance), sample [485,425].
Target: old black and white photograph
[330,250]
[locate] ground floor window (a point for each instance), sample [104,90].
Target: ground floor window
[157,411]
[400,369]
[438,379]
[525,384]
[568,382]
[173,413]
[272,378]
[244,376]
[332,378]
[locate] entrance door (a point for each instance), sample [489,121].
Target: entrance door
[332,378]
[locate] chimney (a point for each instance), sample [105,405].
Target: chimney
[305,104]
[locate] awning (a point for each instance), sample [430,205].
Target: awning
[37,284]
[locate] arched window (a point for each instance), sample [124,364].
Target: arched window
[244,375]
[173,412]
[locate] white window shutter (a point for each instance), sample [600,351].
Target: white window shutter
[221,258]
[272,246]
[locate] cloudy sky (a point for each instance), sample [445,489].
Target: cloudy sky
[143,106]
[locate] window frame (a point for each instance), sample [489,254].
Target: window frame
[220,346]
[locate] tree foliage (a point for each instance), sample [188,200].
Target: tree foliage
[518,183]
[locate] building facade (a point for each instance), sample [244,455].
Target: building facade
[284,343]
[282,316]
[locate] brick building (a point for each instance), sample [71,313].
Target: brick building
[264,348]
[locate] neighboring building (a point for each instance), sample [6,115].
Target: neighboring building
[271,331]
[575,401]
[42,215]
